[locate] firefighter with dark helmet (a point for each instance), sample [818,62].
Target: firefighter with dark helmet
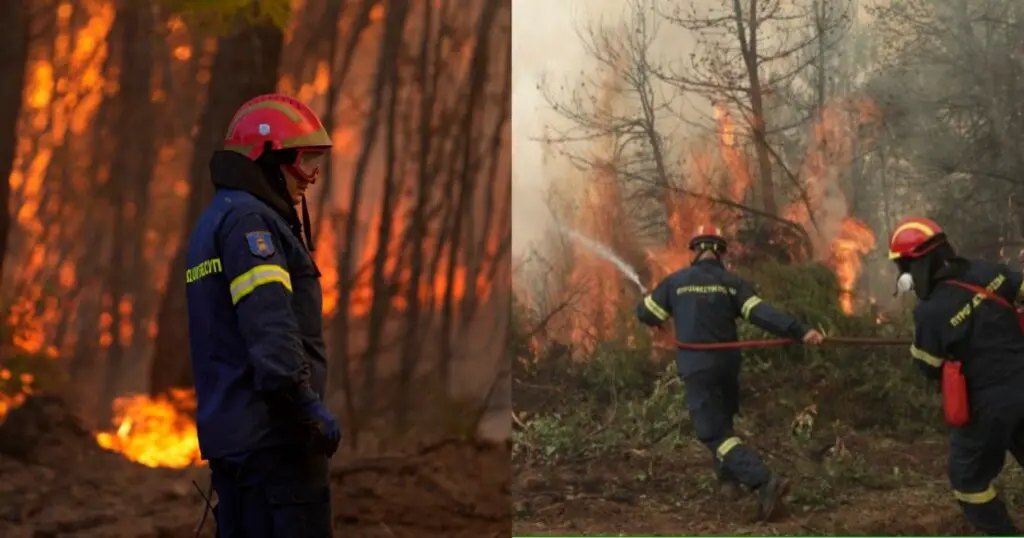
[965,317]
[704,301]
[255,328]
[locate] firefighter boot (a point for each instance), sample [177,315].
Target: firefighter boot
[770,497]
[729,487]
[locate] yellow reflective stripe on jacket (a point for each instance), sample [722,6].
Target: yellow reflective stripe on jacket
[966,311]
[701,289]
[248,281]
[727,446]
[1020,291]
[925,357]
[749,305]
[981,497]
[658,311]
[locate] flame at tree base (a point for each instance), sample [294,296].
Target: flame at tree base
[156,432]
[854,241]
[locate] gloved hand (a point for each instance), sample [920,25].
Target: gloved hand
[813,337]
[326,429]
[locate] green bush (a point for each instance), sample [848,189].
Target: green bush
[867,387]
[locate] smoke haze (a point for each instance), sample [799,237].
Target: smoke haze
[547,49]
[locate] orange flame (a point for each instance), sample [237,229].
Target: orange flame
[717,169]
[156,432]
[56,104]
[18,388]
[839,239]
[66,82]
[854,241]
[739,172]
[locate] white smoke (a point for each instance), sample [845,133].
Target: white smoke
[544,41]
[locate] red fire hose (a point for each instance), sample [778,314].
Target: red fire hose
[777,342]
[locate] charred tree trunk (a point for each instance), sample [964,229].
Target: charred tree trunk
[390,41]
[466,170]
[332,17]
[131,166]
[427,70]
[14,26]
[747,32]
[340,374]
[245,66]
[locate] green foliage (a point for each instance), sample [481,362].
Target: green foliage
[866,387]
[808,291]
[588,428]
[221,13]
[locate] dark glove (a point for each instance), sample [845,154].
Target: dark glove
[326,430]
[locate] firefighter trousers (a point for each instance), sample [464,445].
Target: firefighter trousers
[281,492]
[712,399]
[977,453]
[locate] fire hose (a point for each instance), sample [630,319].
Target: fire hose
[778,342]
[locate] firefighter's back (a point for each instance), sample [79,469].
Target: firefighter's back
[992,343]
[704,311]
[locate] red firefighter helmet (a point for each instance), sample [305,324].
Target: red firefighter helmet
[914,237]
[277,122]
[708,235]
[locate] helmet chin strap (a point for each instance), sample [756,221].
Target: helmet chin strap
[306,227]
[699,253]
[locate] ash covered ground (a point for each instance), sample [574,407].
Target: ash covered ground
[55,481]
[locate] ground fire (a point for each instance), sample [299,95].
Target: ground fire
[156,432]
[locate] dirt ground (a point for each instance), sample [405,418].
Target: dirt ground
[870,488]
[56,482]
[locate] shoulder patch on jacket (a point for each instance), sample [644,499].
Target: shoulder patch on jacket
[260,243]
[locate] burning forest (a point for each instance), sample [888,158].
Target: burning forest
[113,111]
[798,129]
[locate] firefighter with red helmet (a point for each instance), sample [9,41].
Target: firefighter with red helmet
[255,328]
[965,317]
[704,301]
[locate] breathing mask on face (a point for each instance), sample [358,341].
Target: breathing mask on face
[904,283]
[922,274]
[915,275]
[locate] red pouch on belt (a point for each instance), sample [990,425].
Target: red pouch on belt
[954,394]
[954,385]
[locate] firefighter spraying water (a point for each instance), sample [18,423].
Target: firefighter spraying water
[704,300]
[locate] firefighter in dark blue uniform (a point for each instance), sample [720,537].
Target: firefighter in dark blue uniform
[955,323]
[704,301]
[255,328]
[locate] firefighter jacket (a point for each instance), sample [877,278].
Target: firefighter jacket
[704,301]
[958,324]
[254,315]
